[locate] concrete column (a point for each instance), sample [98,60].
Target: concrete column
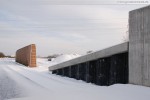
[139,46]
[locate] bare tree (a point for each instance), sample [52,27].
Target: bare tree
[126,36]
[2,55]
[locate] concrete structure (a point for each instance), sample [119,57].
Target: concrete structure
[121,48]
[101,67]
[27,55]
[139,46]
[111,64]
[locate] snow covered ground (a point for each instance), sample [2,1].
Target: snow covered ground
[18,82]
[43,63]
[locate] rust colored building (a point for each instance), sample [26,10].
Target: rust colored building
[27,55]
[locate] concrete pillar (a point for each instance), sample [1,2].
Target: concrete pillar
[139,46]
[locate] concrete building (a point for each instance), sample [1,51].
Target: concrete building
[110,66]
[27,55]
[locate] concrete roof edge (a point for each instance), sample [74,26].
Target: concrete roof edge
[120,48]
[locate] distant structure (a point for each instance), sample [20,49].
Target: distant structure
[27,55]
[125,63]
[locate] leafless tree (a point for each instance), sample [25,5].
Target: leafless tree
[2,55]
[126,36]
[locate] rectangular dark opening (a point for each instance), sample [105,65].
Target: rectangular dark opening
[60,71]
[82,71]
[119,68]
[73,71]
[54,72]
[103,68]
[66,71]
[92,71]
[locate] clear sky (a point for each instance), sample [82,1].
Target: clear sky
[62,26]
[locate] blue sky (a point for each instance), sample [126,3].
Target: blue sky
[62,26]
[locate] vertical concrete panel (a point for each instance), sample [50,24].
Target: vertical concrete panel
[139,46]
[146,29]
[135,47]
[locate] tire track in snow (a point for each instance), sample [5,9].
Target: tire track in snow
[8,87]
[39,79]
[13,71]
[54,78]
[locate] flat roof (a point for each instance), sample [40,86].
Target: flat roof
[120,48]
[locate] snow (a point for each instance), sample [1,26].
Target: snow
[43,63]
[39,84]
[65,57]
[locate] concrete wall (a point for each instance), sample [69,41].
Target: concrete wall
[139,46]
[104,67]
[103,71]
[139,49]
[27,55]
[99,54]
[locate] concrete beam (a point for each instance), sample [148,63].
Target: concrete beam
[93,56]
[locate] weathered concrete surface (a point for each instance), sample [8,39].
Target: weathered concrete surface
[27,55]
[93,56]
[139,46]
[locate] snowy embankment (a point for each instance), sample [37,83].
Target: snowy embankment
[43,63]
[39,84]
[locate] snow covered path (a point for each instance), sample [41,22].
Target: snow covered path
[13,85]
[8,87]
[26,83]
